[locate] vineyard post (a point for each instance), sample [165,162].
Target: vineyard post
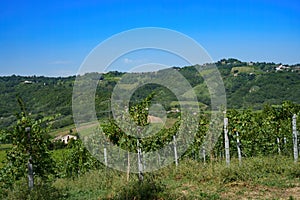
[140,165]
[295,138]
[30,167]
[128,166]
[238,145]
[227,155]
[203,153]
[284,142]
[278,146]
[144,161]
[175,150]
[158,158]
[105,155]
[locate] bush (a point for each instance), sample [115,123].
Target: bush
[41,191]
[147,189]
[295,171]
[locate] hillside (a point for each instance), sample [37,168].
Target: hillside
[248,85]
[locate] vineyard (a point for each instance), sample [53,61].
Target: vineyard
[268,132]
[150,100]
[259,148]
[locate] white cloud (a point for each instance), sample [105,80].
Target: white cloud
[60,62]
[127,60]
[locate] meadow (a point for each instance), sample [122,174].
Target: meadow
[257,178]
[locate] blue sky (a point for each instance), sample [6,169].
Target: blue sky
[52,38]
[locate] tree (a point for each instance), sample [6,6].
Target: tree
[29,139]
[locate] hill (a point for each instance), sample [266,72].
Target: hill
[248,85]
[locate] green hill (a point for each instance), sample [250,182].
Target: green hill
[247,85]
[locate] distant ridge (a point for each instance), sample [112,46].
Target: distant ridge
[247,84]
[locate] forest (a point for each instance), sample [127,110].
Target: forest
[247,85]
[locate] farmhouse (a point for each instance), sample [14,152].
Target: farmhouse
[281,68]
[65,139]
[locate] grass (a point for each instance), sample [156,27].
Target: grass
[257,178]
[243,69]
[62,131]
[84,130]
[170,122]
[275,177]
[89,128]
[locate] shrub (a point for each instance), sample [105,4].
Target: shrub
[42,191]
[147,189]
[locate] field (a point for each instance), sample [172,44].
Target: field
[242,69]
[257,178]
[276,177]
[263,139]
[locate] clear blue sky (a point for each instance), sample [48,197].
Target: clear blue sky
[52,38]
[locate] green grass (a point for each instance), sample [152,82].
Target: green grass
[2,157]
[243,69]
[62,131]
[187,103]
[3,149]
[129,86]
[274,177]
[84,130]
[257,178]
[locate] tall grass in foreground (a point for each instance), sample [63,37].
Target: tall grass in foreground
[257,178]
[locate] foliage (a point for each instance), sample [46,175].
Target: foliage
[47,96]
[29,139]
[148,189]
[140,111]
[265,132]
[259,132]
[75,160]
[41,191]
[5,137]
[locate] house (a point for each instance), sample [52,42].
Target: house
[281,68]
[65,139]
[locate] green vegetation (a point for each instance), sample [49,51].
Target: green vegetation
[274,177]
[237,70]
[69,171]
[29,145]
[72,173]
[253,86]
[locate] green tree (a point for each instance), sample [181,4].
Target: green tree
[29,138]
[78,160]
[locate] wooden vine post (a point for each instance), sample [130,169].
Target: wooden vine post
[203,154]
[227,154]
[30,167]
[139,154]
[128,166]
[278,146]
[175,150]
[105,156]
[295,138]
[238,145]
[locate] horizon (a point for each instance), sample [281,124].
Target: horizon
[36,75]
[53,38]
